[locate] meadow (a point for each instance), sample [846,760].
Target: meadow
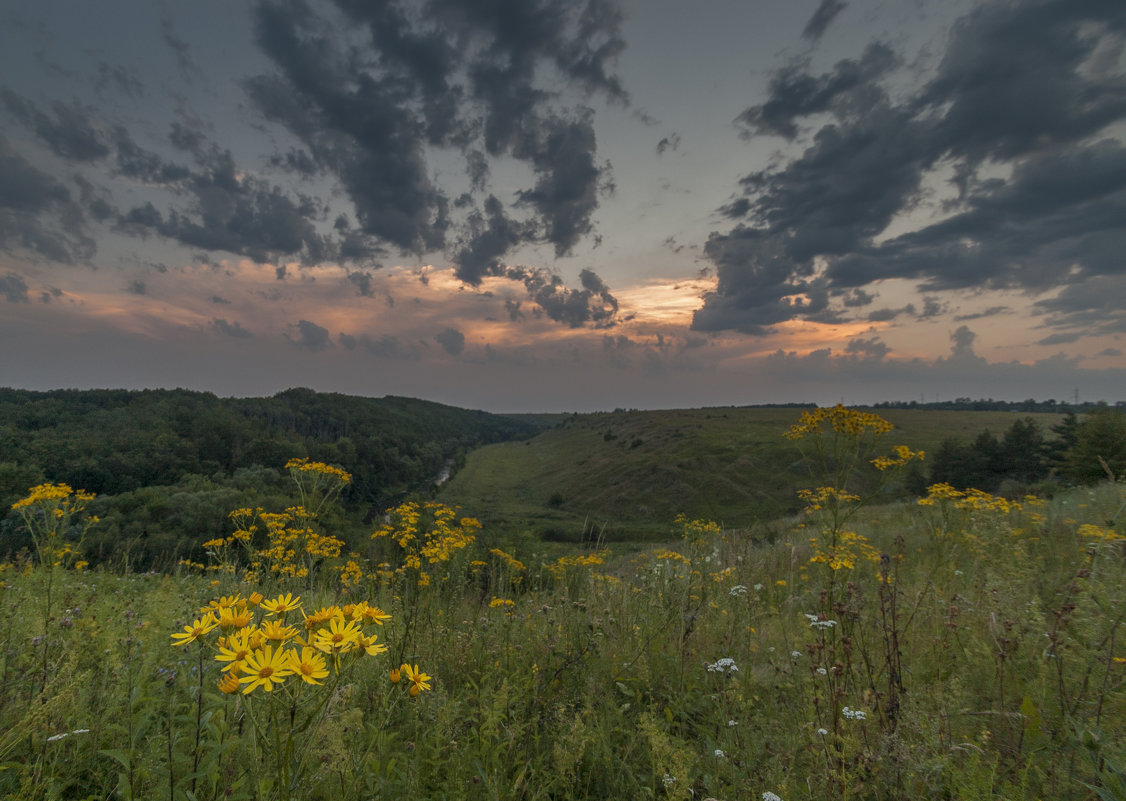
[959,645]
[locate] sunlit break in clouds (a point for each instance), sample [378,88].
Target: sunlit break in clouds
[559,205]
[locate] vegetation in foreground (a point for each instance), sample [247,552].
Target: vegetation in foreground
[959,646]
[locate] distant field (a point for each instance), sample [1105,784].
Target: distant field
[626,475]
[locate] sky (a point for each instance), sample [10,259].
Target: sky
[566,205]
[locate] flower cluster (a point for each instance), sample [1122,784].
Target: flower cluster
[843,553]
[53,513]
[259,649]
[278,544]
[427,534]
[902,456]
[726,666]
[849,422]
[558,568]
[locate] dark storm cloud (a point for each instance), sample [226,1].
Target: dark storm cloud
[451,340]
[37,213]
[310,336]
[460,75]
[593,304]
[990,312]
[69,131]
[13,288]
[826,12]
[1021,85]
[867,348]
[230,329]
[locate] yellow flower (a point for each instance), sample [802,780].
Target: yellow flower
[235,649]
[309,666]
[373,614]
[231,618]
[255,599]
[229,684]
[341,637]
[264,669]
[276,630]
[419,680]
[371,648]
[282,604]
[196,630]
[396,675]
[321,616]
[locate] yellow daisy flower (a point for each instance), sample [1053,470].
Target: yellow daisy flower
[309,666]
[264,669]
[419,680]
[196,630]
[282,604]
[340,637]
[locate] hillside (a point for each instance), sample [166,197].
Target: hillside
[627,474]
[167,465]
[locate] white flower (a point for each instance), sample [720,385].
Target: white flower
[795,654]
[732,723]
[854,714]
[720,755]
[822,671]
[726,665]
[758,587]
[818,623]
[738,591]
[769,796]
[669,781]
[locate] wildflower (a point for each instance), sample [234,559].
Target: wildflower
[732,723]
[234,650]
[738,591]
[418,679]
[255,599]
[234,618]
[309,666]
[321,616]
[726,665]
[396,675]
[719,754]
[265,668]
[276,630]
[854,714]
[229,683]
[282,604]
[196,630]
[795,654]
[668,781]
[818,622]
[769,796]
[340,637]
[822,732]
[370,646]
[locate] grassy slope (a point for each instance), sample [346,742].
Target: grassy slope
[626,475]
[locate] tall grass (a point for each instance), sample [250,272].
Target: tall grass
[979,655]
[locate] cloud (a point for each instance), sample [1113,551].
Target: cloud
[38,213]
[1016,117]
[230,329]
[310,336]
[593,304]
[871,348]
[69,132]
[452,341]
[367,87]
[823,16]
[13,288]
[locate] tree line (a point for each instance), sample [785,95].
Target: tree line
[1081,450]
[167,465]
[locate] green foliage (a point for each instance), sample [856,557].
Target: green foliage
[162,461]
